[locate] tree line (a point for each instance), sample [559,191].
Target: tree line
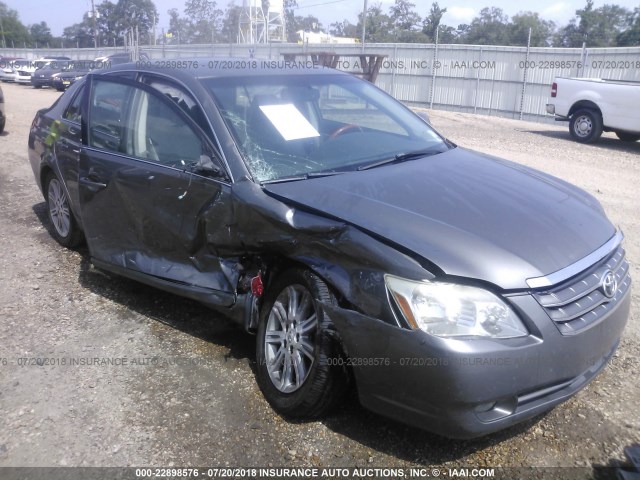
[203,22]
[606,26]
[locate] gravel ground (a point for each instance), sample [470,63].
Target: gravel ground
[187,395]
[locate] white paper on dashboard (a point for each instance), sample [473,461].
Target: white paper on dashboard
[288,120]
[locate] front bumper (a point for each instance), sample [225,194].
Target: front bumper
[62,83]
[41,82]
[469,388]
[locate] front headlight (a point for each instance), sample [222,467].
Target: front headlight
[450,310]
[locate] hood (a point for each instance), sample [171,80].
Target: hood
[470,214]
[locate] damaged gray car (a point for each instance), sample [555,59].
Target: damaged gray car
[457,292]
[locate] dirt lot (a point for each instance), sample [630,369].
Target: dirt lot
[187,395]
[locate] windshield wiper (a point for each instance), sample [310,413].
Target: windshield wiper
[294,178]
[401,157]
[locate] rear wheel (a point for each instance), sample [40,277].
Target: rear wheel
[586,125]
[65,228]
[294,347]
[628,137]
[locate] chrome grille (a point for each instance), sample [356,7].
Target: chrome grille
[580,302]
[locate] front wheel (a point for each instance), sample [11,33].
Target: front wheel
[628,137]
[65,228]
[298,371]
[585,126]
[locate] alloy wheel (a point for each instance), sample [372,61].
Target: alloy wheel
[59,208]
[290,338]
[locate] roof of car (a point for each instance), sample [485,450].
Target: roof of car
[216,67]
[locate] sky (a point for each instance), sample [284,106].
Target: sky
[61,13]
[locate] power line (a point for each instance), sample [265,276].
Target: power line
[319,4]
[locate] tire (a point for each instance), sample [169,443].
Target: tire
[585,125]
[65,228]
[313,385]
[628,137]
[2,123]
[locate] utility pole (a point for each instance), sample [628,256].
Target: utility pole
[4,42]
[364,23]
[95,30]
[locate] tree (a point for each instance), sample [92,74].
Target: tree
[631,35]
[343,29]
[231,23]
[432,21]
[491,27]
[609,22]
[14,33]
[598,27]
[309,24]
[135,14]
[462,31]
[40,34]
[113,21]
[205,20]
[289,7]
[569,36]
[541,30]
[402,15]
[378,24]
[107,24]
[79,34]
[178,28]
[403,21]
[447,34]
[306,24]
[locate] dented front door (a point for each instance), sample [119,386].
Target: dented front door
[146,202]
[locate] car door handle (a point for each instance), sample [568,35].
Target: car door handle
[70,145]
[93,181]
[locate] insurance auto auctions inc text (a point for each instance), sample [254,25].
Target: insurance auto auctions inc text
[341,473]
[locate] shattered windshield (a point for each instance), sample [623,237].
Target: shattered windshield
[300,125]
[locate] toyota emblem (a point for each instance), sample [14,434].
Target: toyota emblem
[609,284]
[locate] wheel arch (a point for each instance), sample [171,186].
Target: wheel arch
[45,169]
[584,104]
[279,264]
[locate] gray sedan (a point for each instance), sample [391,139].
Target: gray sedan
[455,291]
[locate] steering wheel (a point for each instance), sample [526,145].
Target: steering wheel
[344,129]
